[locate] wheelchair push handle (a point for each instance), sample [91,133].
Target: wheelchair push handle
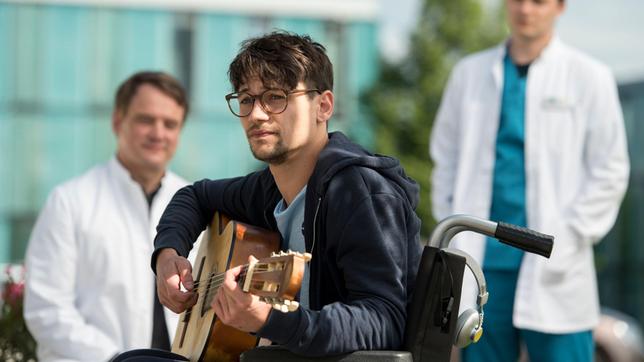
[525,239]
[516,236]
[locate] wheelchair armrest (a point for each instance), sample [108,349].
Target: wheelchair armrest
[277,353]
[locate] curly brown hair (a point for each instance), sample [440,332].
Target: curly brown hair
[282,59]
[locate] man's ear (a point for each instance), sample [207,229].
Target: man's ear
[326,106]
[562,7]
[117,119]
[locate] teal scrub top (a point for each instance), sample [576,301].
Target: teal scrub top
[508,188]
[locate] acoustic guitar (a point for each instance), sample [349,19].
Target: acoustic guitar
[275,278]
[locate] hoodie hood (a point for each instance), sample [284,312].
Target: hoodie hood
[340,153]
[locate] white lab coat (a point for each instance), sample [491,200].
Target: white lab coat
[576,166]
[89,285]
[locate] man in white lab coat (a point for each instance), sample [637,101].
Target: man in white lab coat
[90,292]
[531,132]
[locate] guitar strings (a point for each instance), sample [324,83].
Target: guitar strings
[213,279]
[242,274]
[217,279]
[213,282]
[213,275]
[259,267]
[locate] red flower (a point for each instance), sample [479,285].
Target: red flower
[12,293]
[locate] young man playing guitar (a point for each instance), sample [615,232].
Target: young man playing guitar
[352,210]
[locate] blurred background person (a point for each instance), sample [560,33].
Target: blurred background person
[531,133]
[89,289]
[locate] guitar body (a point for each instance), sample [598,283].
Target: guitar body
[200,336]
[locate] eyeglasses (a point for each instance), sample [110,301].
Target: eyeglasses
[272,101]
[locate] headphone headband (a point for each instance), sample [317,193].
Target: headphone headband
[483,295]
[469,326]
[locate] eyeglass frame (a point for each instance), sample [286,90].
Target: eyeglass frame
[235,95]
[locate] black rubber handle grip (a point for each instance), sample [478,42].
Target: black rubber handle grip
[525,239]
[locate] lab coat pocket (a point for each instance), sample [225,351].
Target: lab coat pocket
[565,254]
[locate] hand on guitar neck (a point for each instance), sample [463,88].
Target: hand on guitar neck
[236,308]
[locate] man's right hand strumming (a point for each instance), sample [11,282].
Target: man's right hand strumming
[173,271]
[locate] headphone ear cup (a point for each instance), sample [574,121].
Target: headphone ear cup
[466,328]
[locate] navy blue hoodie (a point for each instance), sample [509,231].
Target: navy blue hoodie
[363,233]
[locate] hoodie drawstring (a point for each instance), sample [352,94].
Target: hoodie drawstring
[315,218]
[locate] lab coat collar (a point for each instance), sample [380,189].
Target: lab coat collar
[549,52]
[123,174]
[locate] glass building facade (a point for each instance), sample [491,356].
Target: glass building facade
[620,257]
[61,64]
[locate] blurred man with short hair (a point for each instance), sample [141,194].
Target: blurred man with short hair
[89,290]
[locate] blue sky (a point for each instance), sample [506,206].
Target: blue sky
[611,31]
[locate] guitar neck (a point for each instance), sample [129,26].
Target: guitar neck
[275,280]
[214,282]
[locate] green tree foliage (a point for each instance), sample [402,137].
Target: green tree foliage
[407,95]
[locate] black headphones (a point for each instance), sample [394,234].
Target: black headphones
[469,326]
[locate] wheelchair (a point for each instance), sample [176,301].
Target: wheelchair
[434,323]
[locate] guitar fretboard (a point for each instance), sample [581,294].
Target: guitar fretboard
[214,281]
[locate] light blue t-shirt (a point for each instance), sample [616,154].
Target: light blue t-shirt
[289,222]
[508,190]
